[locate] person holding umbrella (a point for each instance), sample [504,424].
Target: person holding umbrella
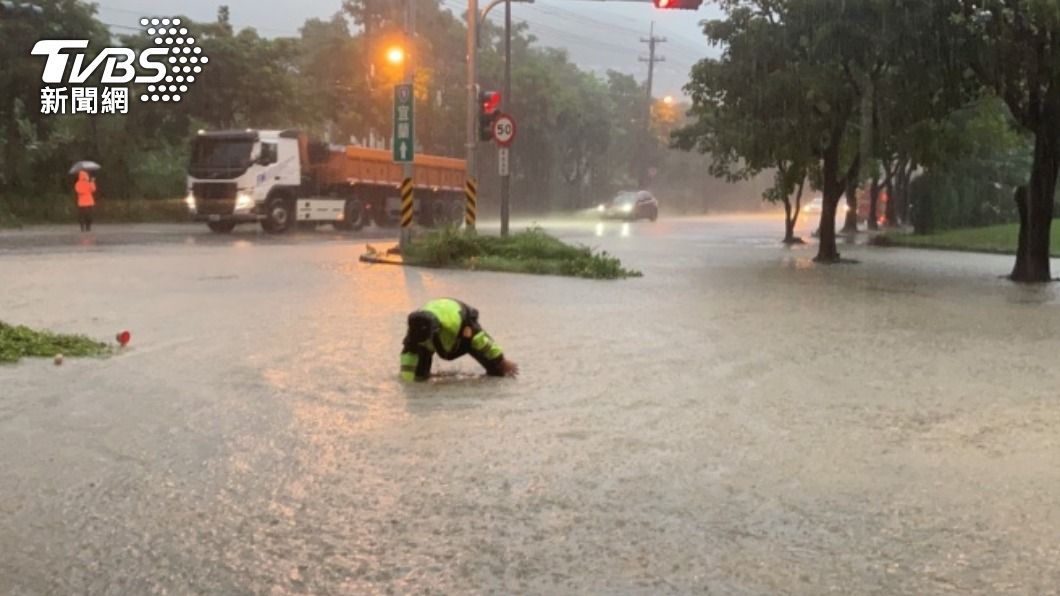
[85,189]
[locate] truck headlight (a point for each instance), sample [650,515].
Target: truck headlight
[244,201]
[190,202]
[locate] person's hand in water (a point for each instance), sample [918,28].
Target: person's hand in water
[509,368]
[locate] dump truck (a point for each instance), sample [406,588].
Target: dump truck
[281,179]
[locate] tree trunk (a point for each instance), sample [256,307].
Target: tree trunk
[833,191]
[906,205]
[1020,197]
[890,210]
[901,214]
[791,215]
[874,197]
[850,226]
[1035,228]
[789,223]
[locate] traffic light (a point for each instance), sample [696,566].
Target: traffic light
[490,105]
[11,10]
[678,4]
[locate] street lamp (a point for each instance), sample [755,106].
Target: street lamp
[395,55]
[486,11]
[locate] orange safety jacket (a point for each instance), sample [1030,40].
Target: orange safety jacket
[84,189]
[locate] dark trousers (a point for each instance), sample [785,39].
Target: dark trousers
[84,217]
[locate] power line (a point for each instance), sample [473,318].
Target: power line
[574,38]
[589,40]
[581,18]
[140,13]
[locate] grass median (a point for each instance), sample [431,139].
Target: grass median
[17,342]
[1000,239]
[532,251]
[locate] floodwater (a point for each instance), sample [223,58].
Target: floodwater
[738,421]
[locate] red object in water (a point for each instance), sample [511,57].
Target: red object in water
[123,338]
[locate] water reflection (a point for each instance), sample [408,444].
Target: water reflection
[797,263]
[624,230]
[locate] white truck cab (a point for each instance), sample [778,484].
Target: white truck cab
[233,174]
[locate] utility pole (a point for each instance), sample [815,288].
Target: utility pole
[506,98]
[472,94]
[652,41]
[410,78]
[506,180]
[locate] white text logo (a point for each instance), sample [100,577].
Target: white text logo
[168,69]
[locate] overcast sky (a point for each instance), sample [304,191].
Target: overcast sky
[599,35]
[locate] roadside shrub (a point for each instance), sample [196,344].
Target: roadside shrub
[532,251]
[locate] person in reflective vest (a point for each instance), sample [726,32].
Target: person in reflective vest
[85,188]
[449,328]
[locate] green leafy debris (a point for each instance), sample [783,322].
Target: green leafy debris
[18,341]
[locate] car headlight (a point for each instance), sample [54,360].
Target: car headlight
[627,208]
[244,201]
[601,208]
[190,201]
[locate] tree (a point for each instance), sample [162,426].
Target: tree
[749,109]
[1013,48]
[33,148]
[783,92]
[861,75]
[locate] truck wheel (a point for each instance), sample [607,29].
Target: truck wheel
[383,220]
[278,215]
[439,213]
[355,216]
[221,227]
[456,213]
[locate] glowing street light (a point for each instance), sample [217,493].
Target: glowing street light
[395,55]
[669,99]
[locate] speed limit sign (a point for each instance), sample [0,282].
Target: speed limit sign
[504,130]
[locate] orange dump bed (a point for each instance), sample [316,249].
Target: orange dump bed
[360,165]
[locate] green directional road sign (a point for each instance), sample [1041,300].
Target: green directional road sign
[403,126]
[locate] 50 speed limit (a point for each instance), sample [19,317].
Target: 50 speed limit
[504,130]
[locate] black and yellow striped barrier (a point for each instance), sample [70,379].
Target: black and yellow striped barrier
[471,192]
[406,202]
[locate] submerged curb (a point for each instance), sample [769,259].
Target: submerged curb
[390,256]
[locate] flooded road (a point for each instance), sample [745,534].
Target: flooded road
[738,421]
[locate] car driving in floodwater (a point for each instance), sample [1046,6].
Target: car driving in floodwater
[631,206]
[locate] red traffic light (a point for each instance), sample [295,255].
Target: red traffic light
[678,4]
[491,101]
[491,106]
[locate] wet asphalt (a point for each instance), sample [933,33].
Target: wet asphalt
[738,421]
